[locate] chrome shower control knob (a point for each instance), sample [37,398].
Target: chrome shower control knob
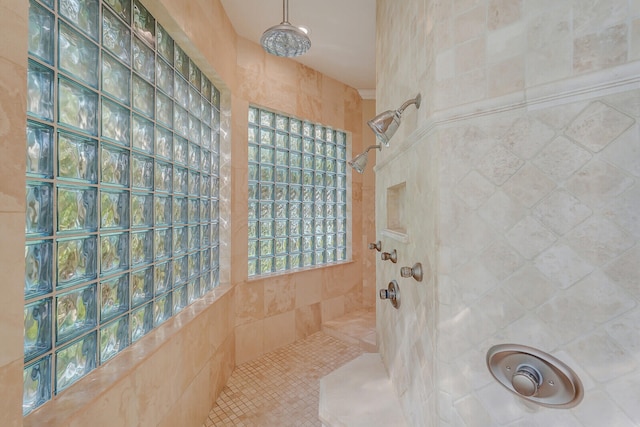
[385,294]
[392,256]
[526,380]
[392,293]
[377,246]
[415,272]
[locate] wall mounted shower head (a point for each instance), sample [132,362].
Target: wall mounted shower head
[384,125]
[359,162]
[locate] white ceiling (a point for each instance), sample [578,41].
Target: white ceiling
[342,34]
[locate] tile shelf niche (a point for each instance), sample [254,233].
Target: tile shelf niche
[396,217]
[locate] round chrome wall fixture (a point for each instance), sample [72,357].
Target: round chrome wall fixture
[534,375]
[392,293]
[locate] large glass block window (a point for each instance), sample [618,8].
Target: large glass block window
[122,186]
[297,193]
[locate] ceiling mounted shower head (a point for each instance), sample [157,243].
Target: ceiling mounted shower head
[385,124]
[359,162]
[285,39]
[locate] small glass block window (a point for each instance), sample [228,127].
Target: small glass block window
[122,173]
[294,168]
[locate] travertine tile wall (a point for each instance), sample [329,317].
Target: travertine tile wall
[533,140]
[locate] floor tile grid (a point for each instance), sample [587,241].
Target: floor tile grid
[281,388]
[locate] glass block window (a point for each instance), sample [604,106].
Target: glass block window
[297,193]
[122,186]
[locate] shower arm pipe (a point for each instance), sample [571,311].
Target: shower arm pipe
[285,12]
[379,147]
[415,100]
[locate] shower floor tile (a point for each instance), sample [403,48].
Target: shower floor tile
[282,387]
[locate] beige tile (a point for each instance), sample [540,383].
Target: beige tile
[279,330]
[332,308]
[249,341]
[502,13]
[11,391]
[279,295]
[249,301]
[308,320]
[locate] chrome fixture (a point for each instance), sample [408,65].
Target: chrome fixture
[415,272]
[384,125]
[359,162]
[377,246]
[285,39]
[392,293]
[386,256]
[534,375]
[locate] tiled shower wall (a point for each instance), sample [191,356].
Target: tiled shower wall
[523,170]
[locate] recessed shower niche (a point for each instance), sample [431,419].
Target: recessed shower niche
[396,215]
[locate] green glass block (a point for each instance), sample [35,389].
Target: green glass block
[75,361]
[295,126]
[162,206]
[39,91]
[115,79]
[266,228]
[281,246]
[307,177]
[266,265]
[180,150]
[341,167]
[307,259]
[307,243]
[181,91]
[40,150]
[205,186]
[114,337]
[319,132]
[308,145]
[114,297]
[194,183]
[253,191]
[142,172]
[280,263]
[141,322]
[143,60]
[307,161]
[267,119]
[215,233]
[319,163]
[141,286]
[165,45]
[318,195]
[122,8]
[282,158]
[330,180]
[194,265]
[253,248]
[163,177]
[282,123]
[116,36]
[331,240]
[253,172]
[215,278]
[330,195]
[193,290]
[215,210]
[162,242]
[41,29]
[83,14]
[162,309]
[164,74]
[295,160]
[180,238]
[294,261]
[266,210]
[76,313]
[38,268]
[36,384]
[205,88]
[194,156]
[341,254]
[341,153]
[205,260]
[215,122]
[143,134]
[164,109]
[307,196]
[341,181]
[319,257]
[307,224]
[281,228]
[77,158]
[215,97]
[267,137]
[194,102]
[267,155]
[341,138]
[211,162]
[295,211]
[141,210]
[253,115]
[295,244]
[330,225]
[180,180]
[341,224]
[39,209]
[295,176]
[115,122]
[180,121]
[253,229]
[180,210]
[252,267]
[114,209]
[295,143]
[194,75]
[115,165]
[114,253]
[295,192]
[281,193]
[330,210]
[77,208]
[205,236]
[143,23]
[205,114]
[194,211]
[143,97]
[179,297]
[181,61]
[295,227]
[266,173]
[37,328]
[180,270]
[319,242]
[141,247]
[164,142]
[266,191]
[253,153]
[162,275]
[77,106]
[280,210]
[77,55]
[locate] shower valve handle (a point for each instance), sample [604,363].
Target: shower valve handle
[377,246]
[393,256]
[415,272]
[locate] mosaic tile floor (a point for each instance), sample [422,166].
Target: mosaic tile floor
[282,387]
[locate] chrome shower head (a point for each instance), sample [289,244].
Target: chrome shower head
[385,124]
[285,39]
[359,162]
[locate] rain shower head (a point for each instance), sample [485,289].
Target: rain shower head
[285,39]
[384,125]
[359,162]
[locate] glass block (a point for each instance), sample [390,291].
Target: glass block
[331,150]
[194,74]
[194,211]
[39,150]
[205,235]
[83,14]
[295,176]
[266,191]
[307,161]
[163,177]
[181,61]
[280,263]
[114,297]
[295,211]
[36,384]
[205,185]
[164,74]
[330,211]
[266,247]
[76,313]
[40,91]
[194,183]
[253,248]
[122,8]
[307,243]
[252,267]
[279,210]
[179,299]
[75,361]
[142,172]
[143,134]
[77,55]
[141,247]
[281,245]
[115,122]
[341,138]
[341,181]
[114,252]
[39,211]
[194,156]
[341,153]
[330,225]
[164,109]
[77,106]
[215,187]
[266,173]
[162,309]
[181,91]
[180,270]
[341,254]
[141,286]
[215,233]
[253,153]
[318,210]
[77,158]
[194,238]
[165,45]
[294,261]
[162,242]
[141,322]
[319,257]
[330,255]
[307,129]
[162,276]
[267,137]
[114,338]
[164,141]
[330,195]
[205,88]
[341,167]
[76,260]
[319,163]
[194,102]
[37,328]
[215,97]
[77,208]
[319,242]
[143,97]
[330,180]
[114,209]
[40,32]
[205,114]
[253,115]
[205,259]
[193,290]
[266,265]
[116,36]
[180,240]
[181,121]
[295,192]
[162,206]
[115,166]
[307,225]
[143,60]
[253,134]
[194,264]
[331,240]
[143,23]
[253,229]
[295,143]
[295,227]
[307,196]
[180,210]
[307,177]
[282,158]
[267,119]
[307,259]
[141,210]
[215,210]
[38,264]
[281,193]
